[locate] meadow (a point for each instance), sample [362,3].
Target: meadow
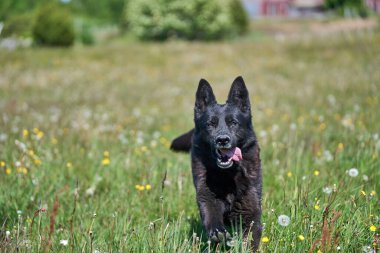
[85,164]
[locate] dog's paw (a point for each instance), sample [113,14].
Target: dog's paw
[219,235]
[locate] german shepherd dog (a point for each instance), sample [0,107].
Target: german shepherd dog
[226,165]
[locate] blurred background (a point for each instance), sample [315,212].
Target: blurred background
[89,22]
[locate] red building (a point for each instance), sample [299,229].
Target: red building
[374,5]
[275,7]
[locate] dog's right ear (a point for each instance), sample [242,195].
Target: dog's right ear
[203,98]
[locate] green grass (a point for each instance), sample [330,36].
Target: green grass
[315,111]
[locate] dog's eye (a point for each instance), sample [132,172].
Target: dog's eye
[210,124]
[234,123]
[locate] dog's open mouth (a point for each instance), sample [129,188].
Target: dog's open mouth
[226,157]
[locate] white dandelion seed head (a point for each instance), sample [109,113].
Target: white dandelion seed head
[293,126]
[3,137]
[7,233]
[64,242]
[368,249]
[19,212]
[353,172]
[328,156]
[327,189]
[263,134]
[283,220]
[365,178]
[90,191]
[275,128]
[338,248]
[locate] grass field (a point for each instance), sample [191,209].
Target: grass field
[84,137]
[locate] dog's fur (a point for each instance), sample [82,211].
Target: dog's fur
[231,194]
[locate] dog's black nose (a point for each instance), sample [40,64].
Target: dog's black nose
[222,140]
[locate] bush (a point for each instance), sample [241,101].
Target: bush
[86,34]
[239,16]
[353,7]
[18,25]
[191,19]
[54,26]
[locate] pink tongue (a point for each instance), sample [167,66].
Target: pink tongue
[234,154]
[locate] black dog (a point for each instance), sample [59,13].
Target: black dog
[226,165]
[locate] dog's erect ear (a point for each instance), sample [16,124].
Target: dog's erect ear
[239,95]
[204,97]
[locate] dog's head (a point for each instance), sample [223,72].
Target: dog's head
[223,127]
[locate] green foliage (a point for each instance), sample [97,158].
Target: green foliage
[87,35]
[54,26]
[102,10]
[9,8]
[354,7]
[192,19]
[239,16]
[18,25]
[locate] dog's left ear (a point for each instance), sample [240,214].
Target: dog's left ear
[239,95]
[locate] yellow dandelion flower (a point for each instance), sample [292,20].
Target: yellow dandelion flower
[106,161]
[316,173]
[373,193]
[372,228]
[37,162]
[106,153]
[363,193]
[322,126]
[269,112]
[54,141]
[24,170]
[148,187]
[35,130]
[25,133]
[317,206]
[289,174]
[69,165]
[340,147]
[144,149]
[265,239]
[319,251]
[39,135]
[31,152]
[8,171]
[301,237]
[2,164]
[139,187]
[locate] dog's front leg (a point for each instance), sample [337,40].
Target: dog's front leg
[211,210]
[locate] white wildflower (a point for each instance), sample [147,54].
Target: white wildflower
[283,220]
[263,134]
[353,172]
[20,145]
[368,249]
[64,242]
[327,190]
[90,191]
[3,137]
[327,156]
[365,178]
